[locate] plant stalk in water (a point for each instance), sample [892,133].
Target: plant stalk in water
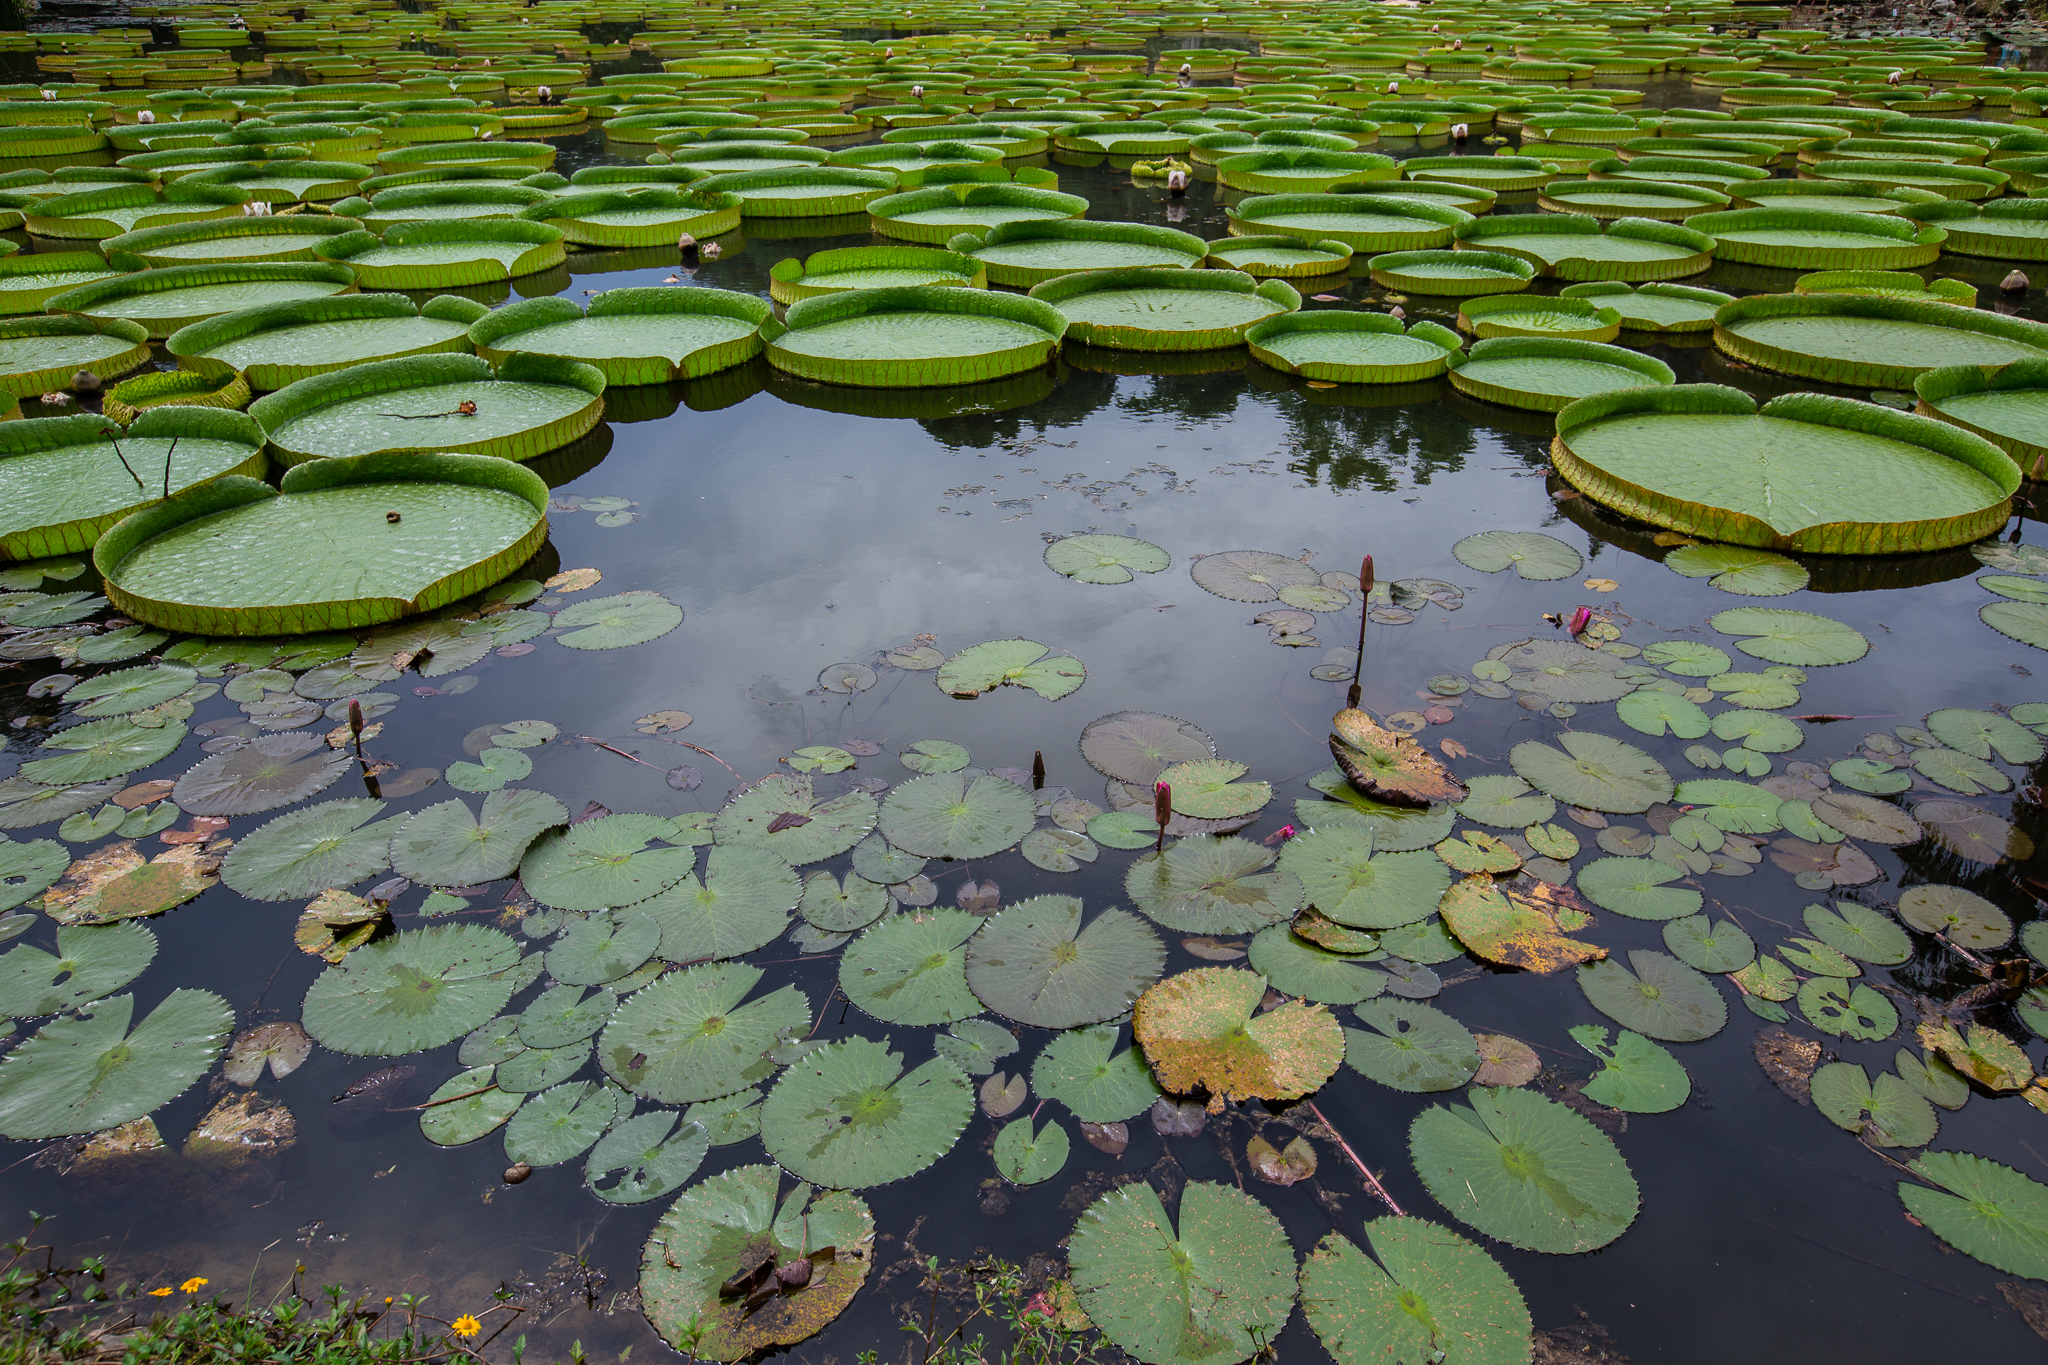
[1364,610]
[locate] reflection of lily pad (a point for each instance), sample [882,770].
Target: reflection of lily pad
[1082,1069]
[1432,1296]
[727,1226]
[912,969]
[413,991]
[1200,1030]
[1104,558]
[848,1116]
[1481,1165]
[1411,1047]
[1210,1287]
[86,1072]
[1533,554]
[1656,995]
[1208,884]
[949,815]
[1136,746]
[1022,663]
[1035,963]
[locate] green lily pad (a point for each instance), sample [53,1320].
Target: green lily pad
[1731,806]
[645,1158]
[603,948]
[1027,1157]
[1035,963]
[1294,966]
[1057,850]
[1982,1209]
[86,1072]
[1505,802]
[1394,828]
[1868,775]
[1759,730]
[1935,1079]
[1636,1076]
[912,969]
[848,1116]
[1739,569]
[742,903]
[1251,575]
[1859,932]
[1865,817]
[101,749]
[1709,946]
[29,869]
[782,813]
[949,815]
[1962,916]
[976,1045]
[688,1037]
[1209,884]
[1687,658]
[562,1015]
[1411,1047]
[481,1109]
[1208,789]
[1889,1113]
[1104,558]
[1957,771]
[492,1042]
[1534,555]
[1834,1006]
[128,690]
[91,961]
[1210,1287]
[492,770]
[1431,1296]
[559,1124]
[2026,622]
[1564,671]
[1525,1170]
[1638,888]
[729,1225]
[335,843]
[1020,663]
[840,907]
[603,863]
[730,1118]
[1594,772]
[934,756]
[1082,1069]
[629,618]
[1791,637]
[1660,713]
[1979,734]
[1137,746]
[1656,995]
[881,862]
[445,845]
[413,991]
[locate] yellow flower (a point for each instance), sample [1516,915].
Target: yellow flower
[194,1285]
[160,1293]
[465,1326]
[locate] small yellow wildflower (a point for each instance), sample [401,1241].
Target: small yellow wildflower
[160,1293]
[465,1326]
[194,1285]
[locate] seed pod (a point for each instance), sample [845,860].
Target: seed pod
[516,1173]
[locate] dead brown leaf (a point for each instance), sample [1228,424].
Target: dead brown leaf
[1504,1060]
[1281,1166]
[1788,1059]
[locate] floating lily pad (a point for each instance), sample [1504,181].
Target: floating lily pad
[1866,817]
[729,1225]
[1656,995]
[559,1124]
[1593,772]
[1709,946]
[445,845]
[563,1015]
[1739,569]
[1206,884]
[848,1116]
[1962,916]
[1636,1076]
[603,863]
[1394,828]
[1658,713]
[1136,746]
[1082,1069]
[412,991]
[1533,554]
[100,749]
[1251,575]
[742,903]
[336,843]
[468,1106]
[1834,1006]
[1982,1209]
[1022,663]
[1104,558]
[645,1158]
[1638,888]
[1208,789]
[1411,1047]
[1389,766]
[975,1045]
[1057,850]
[689,1037]
[949,815]
[1687,658]
[627,618]
[1791,637]
[1889,1113]
[1478,1164]
[782,814]
[1859,932]
[280,1048]
[934,756]
[603,948]
[1980,734]
[86,1072]
[1967,831]
[1025,1156]
[1035,963]
[90,962]
[1517,926]
[912,969]
[1212,1286]
[29,869]
[1200,1030]
[881,862]
[1433,1295]
[1505,802]
[841,907]
[1295,966]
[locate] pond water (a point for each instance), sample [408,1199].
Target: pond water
[801,526]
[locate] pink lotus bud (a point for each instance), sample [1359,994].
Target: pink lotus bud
[1581,618]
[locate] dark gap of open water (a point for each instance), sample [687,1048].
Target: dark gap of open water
[796,531]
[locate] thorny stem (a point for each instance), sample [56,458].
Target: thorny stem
[1370,1178]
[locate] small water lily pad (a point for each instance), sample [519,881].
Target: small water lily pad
[1200,1030]
[783,815]
[912,969]
[1431,1290]
[90,962]
[1656,995]
[1412,1047]
[1208,789]
[336,843]
[1636,1076]
[975,1045]
[1294,966]
[742,903]
[603,948]
[628,618]
[1136,746]
[445,845]
[1709,945]
[1025,1156]
[1739,569]
[1206,884]
[1035,963]
[848,1116]
[1082,1069]
[1020,663]
[1834,1006]
[1517,925]
[470,1106]
[563,1015]
[1961,916]
[86,1072]
[1889,1113]
[1639,888]
[1533,554]
[1593,771]
[603,863]
[934,756]
[1505,802]
[1104,558]
[559,1124]
[689,1037]
[841,907]
[950,815]
[645,1158]
[1967,831]
[1791,637]
[1251,575]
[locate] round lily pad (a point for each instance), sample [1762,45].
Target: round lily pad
[1057,850]
[1020,663]
[1965,830]
[912,969]
[841,907]
[1532,554]
[1477,1166]
[881,862]
[562,1015]
[1104,558]
[91,961]
[934,756]
[1342,877]
[627,618]
[1136,746]
[1294,966]
[949,815]
[1791,637]
[1860,932]
[559,1124]
[1889,1113]
[470,1106]
[101,749]
[413,991]
[1082,1069]
[445,845]
[1208,884]
[1709,945]
[782,814]
[603,863]
[1593,772]
[1035,963]
[742,903]
[1659,713]
[87,1072]
[603,948]
[645,1157]
[1982,1209]
[1656,995]
[1833,1005]
[689,1037]
[1504,801]
[1025,1155]
[1251,575]
[1200,1030]
[1410,1046]
[1739,569]
[1208,789]
[336,843]
[1636,1076]
[1429,1288]
[1387,765]
[848,1116]
[1687,658]
[1962,916]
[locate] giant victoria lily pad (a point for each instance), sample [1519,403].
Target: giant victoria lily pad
[848,1116]
[1861,340]
[65,480]
[1210,1287]
[913,336]
[1026,253]
[230,240]
[799,191]
[86,1072]
[99,213]
[1525,1170]
[28,280]
[729,1226]
[872,267]
[601,216]
[1035,963]
[2007,405]
[278,344]
[1201,1030]
[1548,374]
[165,300]
[345,543]
[1268,258]
[1669,456]
[1798,237]
[38,354]
[1141,309]
[1461,274]
[413,991]
[632,336]
[1352,348]
[449,254]
[521,408]
[1376,223]
[437,202]
[1575,246]
[1432,1295]
[935,214]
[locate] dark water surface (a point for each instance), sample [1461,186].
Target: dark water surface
[799,526]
